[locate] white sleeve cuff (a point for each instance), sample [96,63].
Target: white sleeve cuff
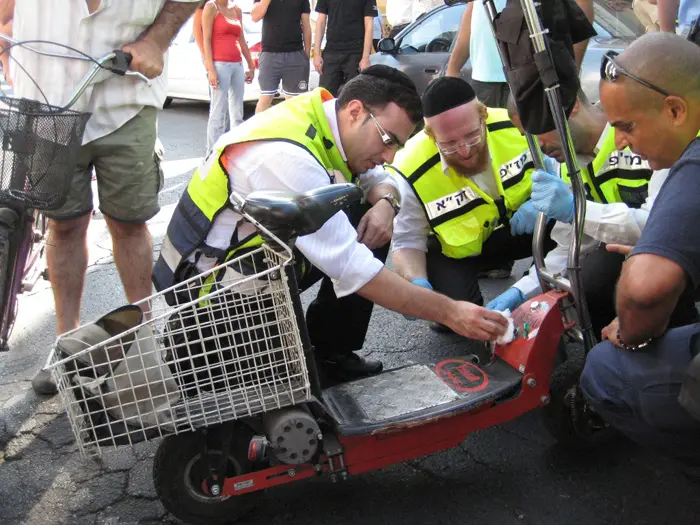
[529,285]
[375,176]
[360,269]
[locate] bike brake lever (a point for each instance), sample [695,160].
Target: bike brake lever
[120,66]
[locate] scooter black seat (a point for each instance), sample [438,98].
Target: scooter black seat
[418,392]
[300,213]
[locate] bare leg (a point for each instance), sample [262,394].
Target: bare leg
[264,102]
[133,255]
[67,260]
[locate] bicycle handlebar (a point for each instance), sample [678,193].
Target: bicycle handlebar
[120,66]
[121,61]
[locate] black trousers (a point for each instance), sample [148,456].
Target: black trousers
[338,68]
[600,271]
[459,278]
[338,326]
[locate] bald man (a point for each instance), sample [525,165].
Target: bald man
[651,96]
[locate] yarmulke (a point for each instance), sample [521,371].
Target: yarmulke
[446,93]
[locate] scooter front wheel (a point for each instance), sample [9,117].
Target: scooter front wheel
[180,469]
[567,417]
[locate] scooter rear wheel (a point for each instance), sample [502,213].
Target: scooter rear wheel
[567,417]
[180,470]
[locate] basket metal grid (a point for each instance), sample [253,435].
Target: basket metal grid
[223,346]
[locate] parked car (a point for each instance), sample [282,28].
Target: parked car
[187,76]
[422,49]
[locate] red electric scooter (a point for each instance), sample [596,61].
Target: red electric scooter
[406,412]
[242,429]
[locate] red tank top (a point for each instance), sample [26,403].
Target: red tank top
[224,40]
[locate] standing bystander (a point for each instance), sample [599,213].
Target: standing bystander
[348,43]
[286,48]
[224,47]
[120,137]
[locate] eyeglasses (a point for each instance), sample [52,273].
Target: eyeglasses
[387,139]
[611,71]
[465,143]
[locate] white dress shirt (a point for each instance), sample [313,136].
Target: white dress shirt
[112,100]
[411,228]
[605,223]
[279,165]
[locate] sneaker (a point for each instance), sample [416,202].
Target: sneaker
[43,384]
[500,271]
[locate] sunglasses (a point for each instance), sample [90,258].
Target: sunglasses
[610,71]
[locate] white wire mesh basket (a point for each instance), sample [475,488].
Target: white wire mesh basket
[228,348]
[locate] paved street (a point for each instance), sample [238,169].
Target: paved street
[507,475]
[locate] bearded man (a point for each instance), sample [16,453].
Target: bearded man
[465,185]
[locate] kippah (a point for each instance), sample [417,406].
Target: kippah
[446,93]
[389,73]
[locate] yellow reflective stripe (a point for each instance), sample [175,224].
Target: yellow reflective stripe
[211,280]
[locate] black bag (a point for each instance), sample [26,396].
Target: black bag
[527,72]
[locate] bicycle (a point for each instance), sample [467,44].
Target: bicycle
[39,145]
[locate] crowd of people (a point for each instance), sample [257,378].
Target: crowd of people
[446,189]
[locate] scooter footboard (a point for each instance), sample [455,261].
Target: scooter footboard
[415,393]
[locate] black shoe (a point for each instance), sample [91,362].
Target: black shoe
[440,328]
[346,367]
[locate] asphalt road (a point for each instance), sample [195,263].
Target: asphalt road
[512,474]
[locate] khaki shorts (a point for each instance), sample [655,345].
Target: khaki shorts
[128,173]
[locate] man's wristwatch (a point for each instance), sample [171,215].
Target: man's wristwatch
[391,199]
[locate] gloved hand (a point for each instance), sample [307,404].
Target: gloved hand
[551,165]
[551,196]
[424,283]
[510,299]
[523,220]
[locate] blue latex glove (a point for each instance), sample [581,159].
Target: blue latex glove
[510,299]
[424,283]
[523,220]
[551,196]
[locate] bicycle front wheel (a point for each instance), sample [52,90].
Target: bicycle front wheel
[8,225]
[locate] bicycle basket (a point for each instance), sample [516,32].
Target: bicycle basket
[228,348]
[39,144]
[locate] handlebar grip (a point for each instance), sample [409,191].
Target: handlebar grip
[120,64]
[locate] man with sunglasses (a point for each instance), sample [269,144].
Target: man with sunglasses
[304,143]
[466,187]
[651,96]
[621,189]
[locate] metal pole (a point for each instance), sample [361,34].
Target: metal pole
[553,97]
[538,236]
[573,284]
